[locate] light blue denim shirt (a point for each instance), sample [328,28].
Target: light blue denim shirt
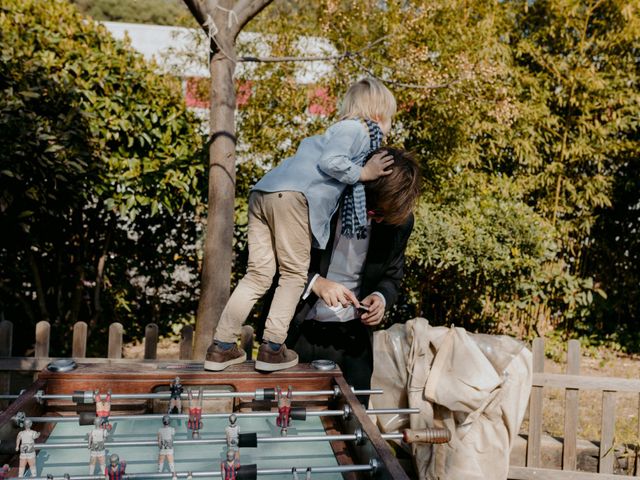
[320,169]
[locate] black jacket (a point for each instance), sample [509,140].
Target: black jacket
[383,270]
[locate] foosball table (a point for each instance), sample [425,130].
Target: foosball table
[169,420]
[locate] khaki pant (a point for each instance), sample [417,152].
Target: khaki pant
[278,235]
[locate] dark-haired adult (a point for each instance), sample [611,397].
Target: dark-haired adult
[326,324]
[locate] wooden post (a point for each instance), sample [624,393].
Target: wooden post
[246,340]
[79,349]
[636,471]
[6,342]
[569,458]
[151,341]
[535,408]
[607,451]
[6,338]
[186,342]
[115,340]
[43,333]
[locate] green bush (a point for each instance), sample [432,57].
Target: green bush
[100,177]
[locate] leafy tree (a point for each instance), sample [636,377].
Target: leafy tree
[576,61]
[502,102]
[222,22]
[448,68]
[523,115]
[613,260]
[576,66]
[100,177]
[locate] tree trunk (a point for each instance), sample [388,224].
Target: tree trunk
[37,282]
[97,301]
[218,247]
[228,18]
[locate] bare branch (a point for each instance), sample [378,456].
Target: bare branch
[245,10]
[405,85]
[318,58]
[372,44]
[352,56]
[325,58]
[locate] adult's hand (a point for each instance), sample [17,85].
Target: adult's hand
[376,310]
[333,293]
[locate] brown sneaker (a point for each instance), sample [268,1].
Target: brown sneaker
[270,360]
[219,359]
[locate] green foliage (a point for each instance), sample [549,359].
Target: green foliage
[100,177]
[523,115]
[472,254]
[155,12]
[576,61]
[614,260]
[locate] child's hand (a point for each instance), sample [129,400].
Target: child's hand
[377,166]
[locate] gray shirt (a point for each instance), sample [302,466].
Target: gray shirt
[165,437]
[346,266]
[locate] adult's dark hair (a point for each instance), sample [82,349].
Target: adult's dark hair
[393,197]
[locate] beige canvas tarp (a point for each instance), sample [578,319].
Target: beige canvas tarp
[475,385]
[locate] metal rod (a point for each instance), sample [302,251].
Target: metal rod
[391,411]
[220,441]
[167,396]
[264,471]
[312,413]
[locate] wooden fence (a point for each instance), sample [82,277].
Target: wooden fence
[572,382]
[79,346]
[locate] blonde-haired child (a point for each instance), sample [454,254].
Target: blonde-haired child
[290,210]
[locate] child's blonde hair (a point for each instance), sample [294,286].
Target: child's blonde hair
[368,98]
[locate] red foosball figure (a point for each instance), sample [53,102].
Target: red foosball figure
[4,471]
[284,409]
[229,468]
[103,408]
[195,413]
[116,468]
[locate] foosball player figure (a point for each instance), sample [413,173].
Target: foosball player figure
[116,468]
[284,410]
[232,431]
[103,408]
[229,468]
[97,438]
[195,413]
[25,444]
[4,471]
[165,444]
[295,474]
[175,401]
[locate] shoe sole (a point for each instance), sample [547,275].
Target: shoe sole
[217,366]
[274,367]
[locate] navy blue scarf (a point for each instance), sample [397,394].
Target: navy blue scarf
[354,204]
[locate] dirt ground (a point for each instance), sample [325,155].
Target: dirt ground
[606,364]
